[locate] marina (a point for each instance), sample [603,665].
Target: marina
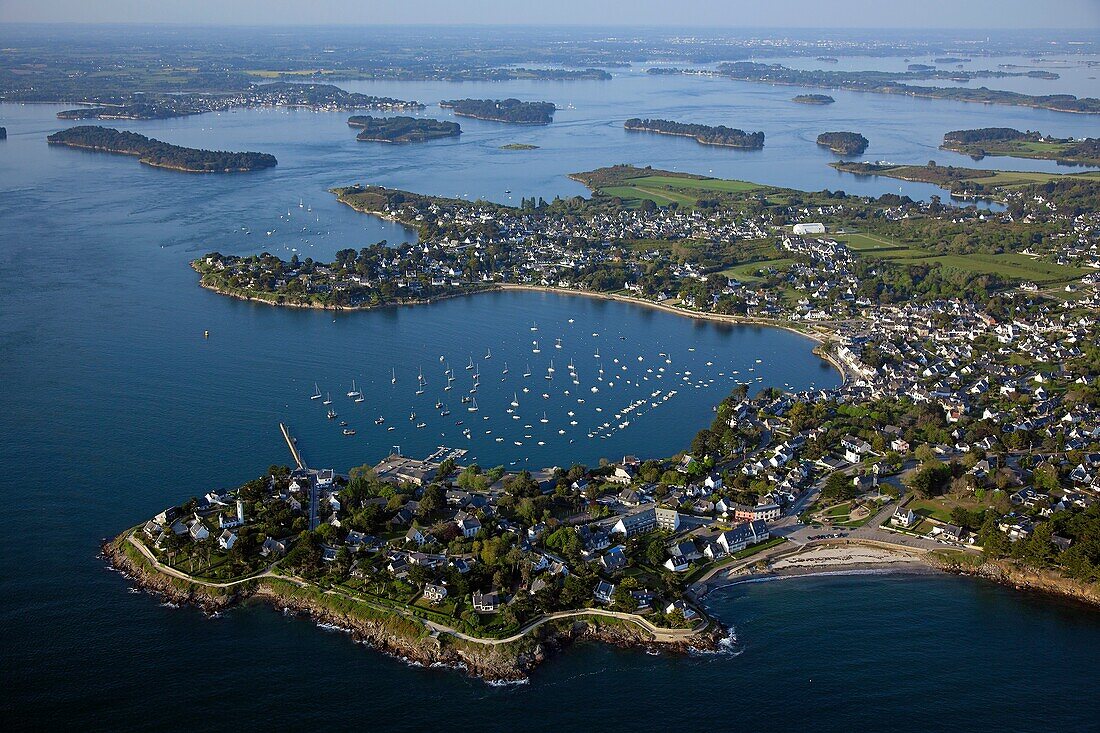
[640,384]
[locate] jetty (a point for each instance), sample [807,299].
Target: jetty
[292,444]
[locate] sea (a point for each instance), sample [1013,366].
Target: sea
[115,405]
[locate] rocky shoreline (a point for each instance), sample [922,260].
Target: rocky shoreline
[404,638]
[1008,573]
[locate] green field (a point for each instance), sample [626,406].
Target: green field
[659,197]
[696,184]
[746,272]
[1011,266]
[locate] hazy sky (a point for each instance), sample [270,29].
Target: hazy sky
[1020,14]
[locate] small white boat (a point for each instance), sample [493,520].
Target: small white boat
[557,345]
[393,378]
[316,392]
[488,354]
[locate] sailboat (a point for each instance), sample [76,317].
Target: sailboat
[353,392]
[535,350]
[316,392]
[473,405]
[488,353]
[544,419]
[558,344]
[360,398]
[550,369]
[515,400]
[471,364]
[534,326]
[327,400]
[597,354]
[527,371]
[393,379]
[505,368]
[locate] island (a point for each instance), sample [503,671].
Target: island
[705,134]
[160,154]
[1006,141]
[324,97]
[402,129]
[519,146]
[503,110]
[888,82]
[843,143]
[819,99]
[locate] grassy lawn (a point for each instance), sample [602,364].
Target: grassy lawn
[862,242]
[661,198]
[746,272]
[698,184]
[1011,266]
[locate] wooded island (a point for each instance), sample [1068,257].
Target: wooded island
[160,154]
[402,129]
[705,134]
[503,110]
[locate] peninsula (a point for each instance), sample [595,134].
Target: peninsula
[503,110]
[320,97]
[160,154]
[705,134]
[939,448]
[978,182]
[843,143]
[1006,141]
[819,99]
[402,129]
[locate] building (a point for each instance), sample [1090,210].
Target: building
[434,592]
[765,512]
[647,521]
[486,602]
[743,535]
[808,228]
[903,517]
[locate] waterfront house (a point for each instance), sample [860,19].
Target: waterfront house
[274,548]
[604,591]
[903,517]
[434,592]
[485,602]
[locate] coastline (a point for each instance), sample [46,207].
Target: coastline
[146,161]
[847,558]
[403,636]
[819,338]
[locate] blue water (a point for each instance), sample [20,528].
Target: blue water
[115,405]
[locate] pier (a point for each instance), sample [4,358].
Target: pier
[292,444]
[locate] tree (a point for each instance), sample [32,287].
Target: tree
[838,487]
